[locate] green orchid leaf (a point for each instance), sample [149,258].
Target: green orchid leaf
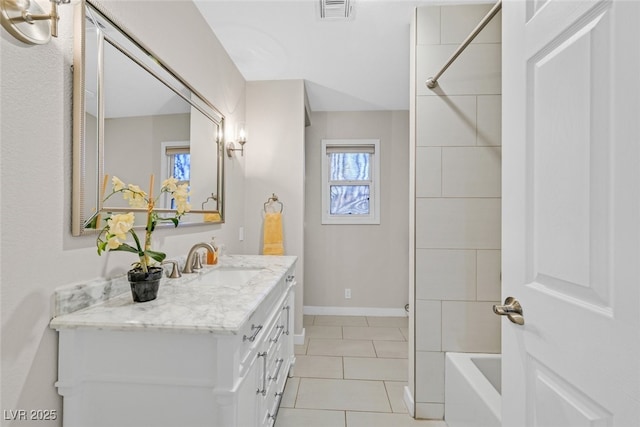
[102,246]
[158,256]
[127,248]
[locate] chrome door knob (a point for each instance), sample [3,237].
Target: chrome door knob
[512,309]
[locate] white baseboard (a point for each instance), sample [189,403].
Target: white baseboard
[408,402]
[354,311]
[292,368]
[298,339]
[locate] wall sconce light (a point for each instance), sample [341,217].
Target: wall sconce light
[241,138]
[26,21]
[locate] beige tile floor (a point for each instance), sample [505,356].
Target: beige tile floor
[350,372]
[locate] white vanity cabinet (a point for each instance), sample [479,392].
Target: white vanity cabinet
[175,376]
[267,365]
[266,362]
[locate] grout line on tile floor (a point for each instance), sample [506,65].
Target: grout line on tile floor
[388,397]
[295,401]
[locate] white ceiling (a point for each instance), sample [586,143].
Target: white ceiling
[362,64]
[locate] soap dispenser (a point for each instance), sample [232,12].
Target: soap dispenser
[212,257]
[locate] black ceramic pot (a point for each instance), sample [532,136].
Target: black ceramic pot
[144,286]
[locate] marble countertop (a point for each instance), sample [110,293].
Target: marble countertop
[192,303]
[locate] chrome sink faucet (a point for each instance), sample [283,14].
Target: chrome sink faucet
[193,260]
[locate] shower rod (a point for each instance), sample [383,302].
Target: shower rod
[432,82]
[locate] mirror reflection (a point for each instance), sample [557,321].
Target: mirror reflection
[139,119]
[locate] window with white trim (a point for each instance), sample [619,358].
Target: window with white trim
[176,163]
[351,181]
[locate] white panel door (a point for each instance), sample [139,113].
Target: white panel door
[571,212]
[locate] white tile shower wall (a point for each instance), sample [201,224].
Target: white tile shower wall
[458,20]
[457,195]
[471,171]
[470,327]
[488,276]
[489,117]
[429,316]
[446,121]
[476,72]
[429,177]
[432,411]
[446,274]
[458,223]
[430,376]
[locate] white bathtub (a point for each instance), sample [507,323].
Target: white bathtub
[472,390]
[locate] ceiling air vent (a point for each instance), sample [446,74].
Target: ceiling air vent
[336,9]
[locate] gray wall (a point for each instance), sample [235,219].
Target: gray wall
[134,147]
[371,260]
[274,163]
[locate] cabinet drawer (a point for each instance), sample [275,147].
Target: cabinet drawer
[250,337]
[270,412]
[275,389]
[260,328]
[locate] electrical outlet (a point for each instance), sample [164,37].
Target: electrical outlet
[347,293]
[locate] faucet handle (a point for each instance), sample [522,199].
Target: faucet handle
[175,272]
[197,262]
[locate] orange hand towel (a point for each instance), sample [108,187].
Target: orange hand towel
[273,234]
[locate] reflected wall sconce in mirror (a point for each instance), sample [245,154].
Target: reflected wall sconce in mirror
[26,21]
[241,138]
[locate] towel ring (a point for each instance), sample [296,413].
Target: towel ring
[211,197]
[272,200]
